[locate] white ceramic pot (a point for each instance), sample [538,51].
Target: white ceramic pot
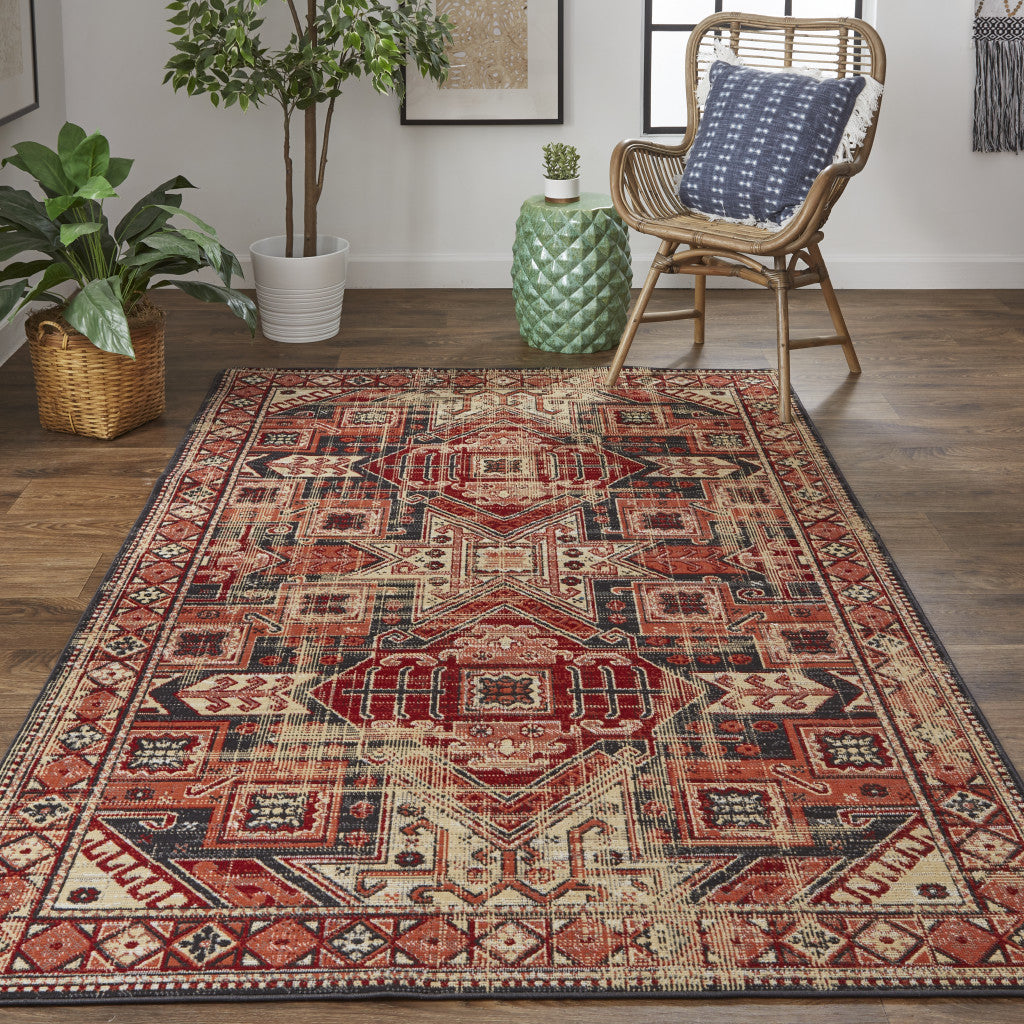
[561,190]
[300,297]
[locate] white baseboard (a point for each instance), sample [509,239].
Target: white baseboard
[494,270]
[430,270]
[951,272]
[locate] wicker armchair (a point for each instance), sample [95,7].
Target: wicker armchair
[645,175]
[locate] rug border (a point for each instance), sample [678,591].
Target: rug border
[1016,776]
[140,519]
[290,995]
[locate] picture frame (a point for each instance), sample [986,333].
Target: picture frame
[522,90]
[19,83]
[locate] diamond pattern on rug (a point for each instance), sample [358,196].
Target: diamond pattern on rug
[496,683]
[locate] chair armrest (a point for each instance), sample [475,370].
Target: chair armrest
[826,188]
[646,145]
[845,170]
[645,180]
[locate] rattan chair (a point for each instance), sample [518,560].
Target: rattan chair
[645,176]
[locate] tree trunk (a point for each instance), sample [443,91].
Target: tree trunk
[289,189]
[309,184]
[310,164]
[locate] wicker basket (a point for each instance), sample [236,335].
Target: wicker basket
[80,389]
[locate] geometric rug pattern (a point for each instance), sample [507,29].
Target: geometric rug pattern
[457,683]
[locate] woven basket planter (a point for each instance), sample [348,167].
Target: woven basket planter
[80,389]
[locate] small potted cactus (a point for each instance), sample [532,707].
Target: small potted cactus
[561,173]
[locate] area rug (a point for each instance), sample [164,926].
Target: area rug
[452,683]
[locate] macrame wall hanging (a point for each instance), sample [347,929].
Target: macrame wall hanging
[999,80]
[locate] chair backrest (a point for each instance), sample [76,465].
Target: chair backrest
[835,46]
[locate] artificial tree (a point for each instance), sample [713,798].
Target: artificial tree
[221,52]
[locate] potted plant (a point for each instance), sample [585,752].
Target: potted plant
[561,173]
[221,51]
[98,355]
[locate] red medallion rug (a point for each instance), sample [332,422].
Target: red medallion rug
[452,683]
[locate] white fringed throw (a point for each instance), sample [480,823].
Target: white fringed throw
[999,80]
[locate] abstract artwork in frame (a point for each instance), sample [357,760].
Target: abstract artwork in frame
[19,91]
[506,66]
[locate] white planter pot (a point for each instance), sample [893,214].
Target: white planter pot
[300,297]
[561,190]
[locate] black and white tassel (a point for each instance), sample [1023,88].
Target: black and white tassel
[999,85]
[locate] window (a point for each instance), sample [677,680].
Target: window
[667,25]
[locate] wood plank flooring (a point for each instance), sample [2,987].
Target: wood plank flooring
[930,437]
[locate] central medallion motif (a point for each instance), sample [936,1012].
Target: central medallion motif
[503,705]
[505,476]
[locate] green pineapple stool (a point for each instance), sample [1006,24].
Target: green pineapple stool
[571,274]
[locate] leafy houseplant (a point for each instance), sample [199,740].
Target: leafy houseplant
[561,161]
[561,172]
[221,52]
[93,383]
[70,234]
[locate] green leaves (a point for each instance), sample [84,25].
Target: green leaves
[20,209]
[95,189]
[13,270]
[72,180]
[15,243]
[191,216]
[69,137]
[59,205]
[43,164]
[149,213]
[78,158]
[72,232]
[55,274]
[10,294]
[89,159]
[117,170]
[241,305]
[97,312]
[219,51]
[209,245]
[173,244]
[561,161]
[69,231]
[229,266]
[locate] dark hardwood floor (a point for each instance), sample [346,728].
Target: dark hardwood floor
[930,437]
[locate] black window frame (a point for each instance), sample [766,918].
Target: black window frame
[650,28]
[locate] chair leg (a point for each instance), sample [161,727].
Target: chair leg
[782,325]
[636,316]
[838,321]
[700,286]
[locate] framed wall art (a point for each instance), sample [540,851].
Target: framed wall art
[19,90]
[506,68]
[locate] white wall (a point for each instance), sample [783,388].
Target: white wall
[39,124]
[927,212]
[436,205]
[421,205]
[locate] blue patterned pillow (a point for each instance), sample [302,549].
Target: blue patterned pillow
[764,137]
